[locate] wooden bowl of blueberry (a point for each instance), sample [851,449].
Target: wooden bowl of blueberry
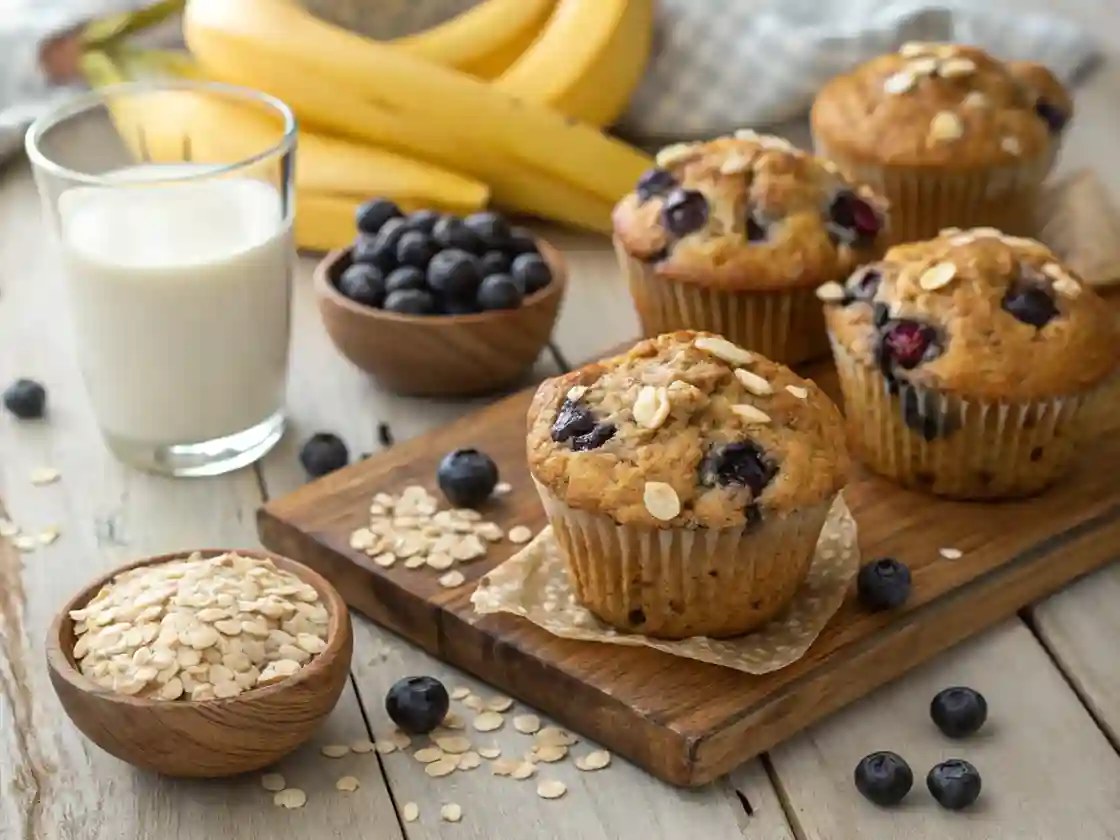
[432,304]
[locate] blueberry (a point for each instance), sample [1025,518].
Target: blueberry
[738,465]
[924,419]
[684,212]
[1030,303]
[372,215]
[853,220]
[1054,117]
[655,182]
[406,277]
[491,229]
[454,306]
[450,232]
[531,272]
[883,584]
[499,291]
[454,274]
[521,241]
[26,399]
[363,283]
[600,434]
[573,419]
[756,230]
[423,220]
[884,778]
[415,248]
[383,249]
[958,711]
[417,704]
[368,250]
[410,302]
[495,262]
[323,453]
[467,477]
[908,343]
[955,783]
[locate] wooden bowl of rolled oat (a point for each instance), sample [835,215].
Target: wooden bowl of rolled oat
[202,664]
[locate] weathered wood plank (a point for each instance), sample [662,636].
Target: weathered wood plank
[55,785]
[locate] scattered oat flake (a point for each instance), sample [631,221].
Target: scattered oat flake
[49,535]
[490,752]
[499,703]
[334,750]
[410,812]
[951,553]
[527,724]
[550,753]
[488,722]
[596,760]
[452,579]
[469,760]
[453,744]
[504,766]
[555,735]
[453,720]
[520,534]
[440,561]
[347,784]
[798,391]
[273,782]
[290,798]
[362,747]
[551,789]
[415,562]
[45,475]
[474,703]
[427,755]
[460,693]
[402,740]
[385,747]
[523,770]
[385,559]
[503,488]
[444,767]
[25,543]
[451,813]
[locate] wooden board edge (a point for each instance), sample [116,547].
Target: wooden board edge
[1035,573]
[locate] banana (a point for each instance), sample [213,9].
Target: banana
[588,60]
[480,39]
[439,101]
[161,126]
[515,187]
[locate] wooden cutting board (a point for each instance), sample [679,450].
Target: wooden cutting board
[684,721]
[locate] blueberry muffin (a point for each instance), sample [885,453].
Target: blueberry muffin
[970,363]
[733,235]
[687,482]
[950,135]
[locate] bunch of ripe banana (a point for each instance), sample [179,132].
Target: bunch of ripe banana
[502,104]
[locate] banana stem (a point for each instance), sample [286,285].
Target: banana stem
[101,33]
[100,70]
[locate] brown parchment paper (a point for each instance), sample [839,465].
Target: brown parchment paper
[534,583]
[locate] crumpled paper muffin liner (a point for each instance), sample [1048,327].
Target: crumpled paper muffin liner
[535,584]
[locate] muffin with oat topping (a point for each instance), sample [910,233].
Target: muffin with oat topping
[950,135]
[969,363]
[733,235]
[687,482]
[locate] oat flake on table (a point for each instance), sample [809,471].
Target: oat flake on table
[534,583]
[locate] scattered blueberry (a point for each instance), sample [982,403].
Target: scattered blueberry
[450,232]
[959,711]
[499,291]
[531,272]
[373,214]
[415,249]
[883,584]
[955,783]
[495,262]
[423,220]
[454,273]
[655,182]
[417,704]
[684,212]
[384,434]
[1030,303]
[908,343]
[521,241]
[884,778]
[363,283]
[738,465]
[491,229]
[574,418]
[467,477]
[410,302]
[26,399]
[406,277]
[599,435]
[323,453]
[1054,117]
[852,219]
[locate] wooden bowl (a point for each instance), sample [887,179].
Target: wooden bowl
[440,355]
[211,738]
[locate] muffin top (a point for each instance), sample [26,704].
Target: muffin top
[941,105]
[749,212]
[977,314]
[686,430]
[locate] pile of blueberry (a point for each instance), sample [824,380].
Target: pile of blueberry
[885,778]
[430,263]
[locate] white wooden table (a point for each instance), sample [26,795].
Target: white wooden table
[1052,677]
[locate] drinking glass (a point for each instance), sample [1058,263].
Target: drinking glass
[175,232]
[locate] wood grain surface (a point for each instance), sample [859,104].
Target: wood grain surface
[687,722]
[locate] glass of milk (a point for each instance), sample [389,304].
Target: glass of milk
[172,203]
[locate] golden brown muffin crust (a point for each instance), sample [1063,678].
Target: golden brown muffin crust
[942,105]
[674,404]
[1003,319]
[749,212]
